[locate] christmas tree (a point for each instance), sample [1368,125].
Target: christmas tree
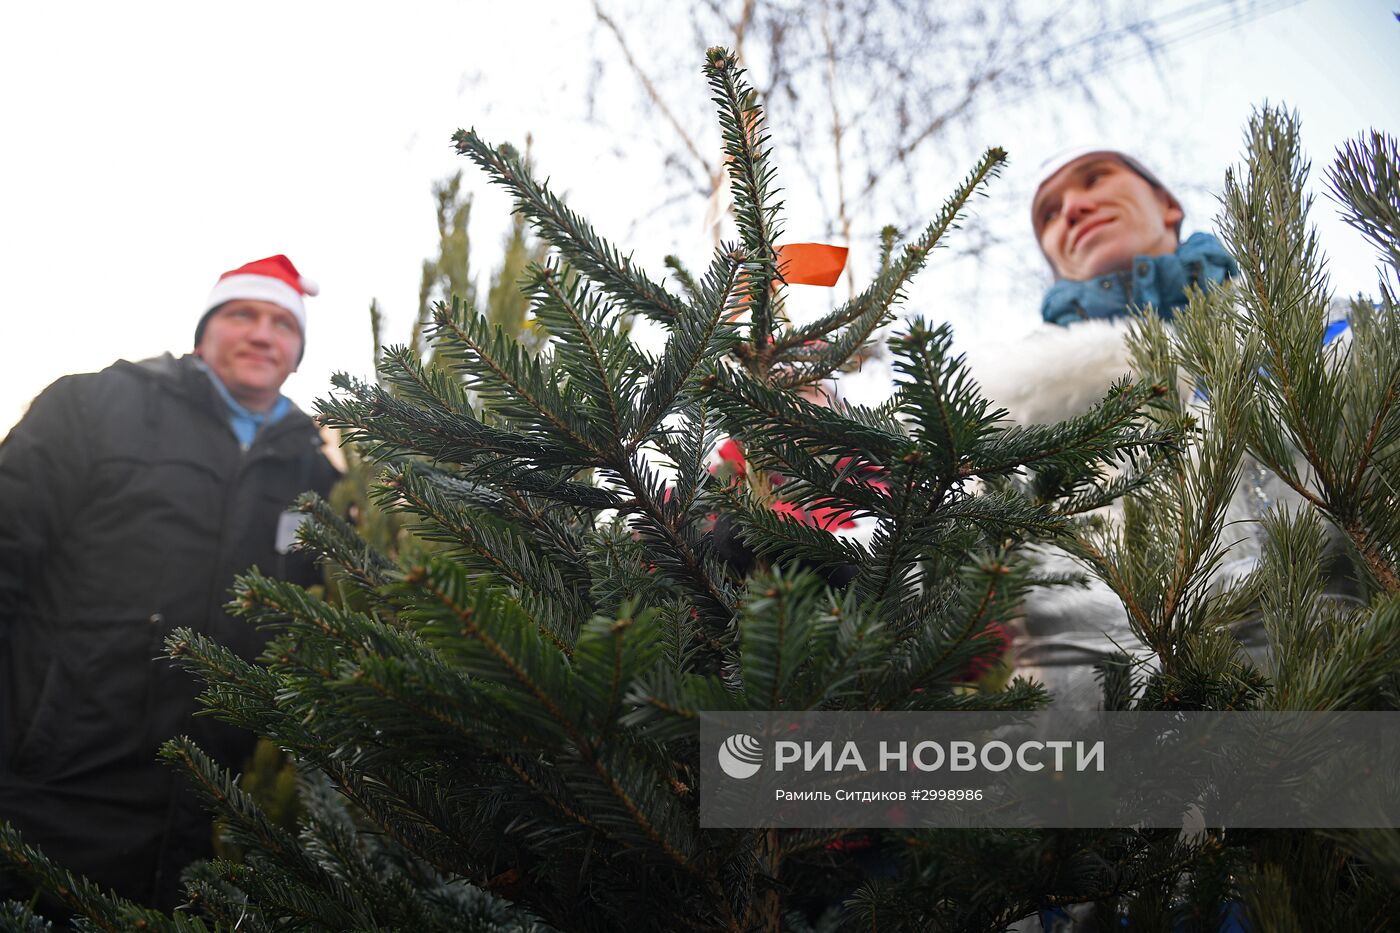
[501,733]
[269,775]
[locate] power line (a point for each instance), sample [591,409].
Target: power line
[1193,22]
[1232,17]
[1191,31]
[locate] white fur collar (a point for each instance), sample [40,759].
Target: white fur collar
[1052,373]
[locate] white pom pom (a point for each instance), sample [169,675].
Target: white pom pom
[309,287]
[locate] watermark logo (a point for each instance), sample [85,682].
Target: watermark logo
[740,756]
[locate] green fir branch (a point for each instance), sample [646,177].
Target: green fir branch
[744,130]
[392,428]
[486,545]
[98,909]
[303,890]
[875,303]
[748,407]
[515,383]
[938,394]
[776,622]
[775,537]
[601,362]
[569,233]
[699,337]
[512,656]
[331,538]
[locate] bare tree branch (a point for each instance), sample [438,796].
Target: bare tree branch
[837,130]
[653,93]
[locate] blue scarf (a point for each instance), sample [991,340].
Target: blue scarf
[245,423]
[1159,281]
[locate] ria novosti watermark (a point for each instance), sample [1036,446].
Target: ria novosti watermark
[1050,769]
[741,756]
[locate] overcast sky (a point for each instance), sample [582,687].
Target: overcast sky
[151,146]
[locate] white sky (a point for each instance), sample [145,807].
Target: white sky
[150,146]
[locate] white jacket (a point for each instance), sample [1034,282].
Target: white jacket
[1049,375]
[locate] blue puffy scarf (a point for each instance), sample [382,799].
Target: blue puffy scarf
[1159,281]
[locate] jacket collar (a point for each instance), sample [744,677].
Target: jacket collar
[245,423]
[186,377]
[1160,281]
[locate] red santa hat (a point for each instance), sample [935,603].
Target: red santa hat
[273,279]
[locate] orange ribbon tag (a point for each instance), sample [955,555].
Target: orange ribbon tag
[811,263]
[803,264]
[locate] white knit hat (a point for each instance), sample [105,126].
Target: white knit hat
[1064,157]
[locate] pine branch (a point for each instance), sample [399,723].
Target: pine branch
[1365,181]
[569,233]
[1083,498]
[1265,224]
[1334,408]
[1372,431]
[602,363]
[211,895]
[407,809]
[870,310]
[744,130]
[406,677]
[1324,656]
[99,910]
[518,385]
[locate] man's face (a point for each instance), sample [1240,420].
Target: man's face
[252,346]
[1095,214]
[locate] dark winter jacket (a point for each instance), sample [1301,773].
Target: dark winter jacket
[128,508]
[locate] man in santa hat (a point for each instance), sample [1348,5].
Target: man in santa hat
[130,499]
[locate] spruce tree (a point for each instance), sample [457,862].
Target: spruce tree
[501,734]
[269,776]
[447,274]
